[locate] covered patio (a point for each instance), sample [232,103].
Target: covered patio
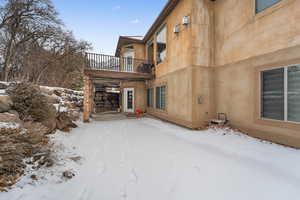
[114,84]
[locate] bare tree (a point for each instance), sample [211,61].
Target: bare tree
[60,64]
[24,22]
[35,47]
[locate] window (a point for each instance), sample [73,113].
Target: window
[150,97]
[129,48]
[281,94]
[150,51]
[261,5]
[161,44]
[161,98]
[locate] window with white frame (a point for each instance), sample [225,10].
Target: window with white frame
[281,94]
[261,5]
[161,44]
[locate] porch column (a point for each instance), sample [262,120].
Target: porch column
[87,103]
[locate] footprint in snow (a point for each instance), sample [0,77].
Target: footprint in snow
[133,176]
[101,168]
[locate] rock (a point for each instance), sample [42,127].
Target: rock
[35,132]
[9,128]
[74,114]
[39,156]
[9,117]
[58,93]
[5,99]
[64,122]
[46,90]
[1,162]
[4,107]
[3,86]
[76,158]
[52,99]
[68,174]
[34,177]
[50,124]
[49,162]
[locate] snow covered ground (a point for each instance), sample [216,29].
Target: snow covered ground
[147,159]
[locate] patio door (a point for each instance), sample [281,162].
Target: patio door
[128,100]
[128,61]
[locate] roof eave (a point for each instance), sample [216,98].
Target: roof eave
[160,19]
[128,40]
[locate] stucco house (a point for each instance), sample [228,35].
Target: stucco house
[204,57]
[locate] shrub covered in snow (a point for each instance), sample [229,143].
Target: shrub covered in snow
[28,114]
[30,103]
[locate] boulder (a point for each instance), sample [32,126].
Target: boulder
[3,85]
[5,99]
[58,93]
[9,118]
[52,99]
[14,112]
[4,108]
[9,128]
[50,124]
[35,132]
[64,122]
[46,90]
[1,162]
[68,174]
[74,114]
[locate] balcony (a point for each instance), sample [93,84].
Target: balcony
[124,68]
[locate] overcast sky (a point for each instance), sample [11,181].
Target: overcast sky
[102,21]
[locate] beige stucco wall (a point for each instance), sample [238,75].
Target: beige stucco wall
[187,70]
[178,45]
[241,34]
[245,44]
[139,54]
[178,97]
[139,50]
[175,71]
[140,94]
[217,59]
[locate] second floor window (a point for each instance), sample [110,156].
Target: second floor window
[129,48]
[161,44]
[264,4]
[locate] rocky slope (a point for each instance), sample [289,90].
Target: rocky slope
[28,114]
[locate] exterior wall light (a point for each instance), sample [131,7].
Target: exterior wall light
[186,20]
[176,29]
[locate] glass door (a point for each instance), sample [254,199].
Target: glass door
[129,100]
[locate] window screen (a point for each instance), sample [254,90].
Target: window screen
[161,44]
[273,94]
[161,98]
[150,97]
[294,93]
[264,4]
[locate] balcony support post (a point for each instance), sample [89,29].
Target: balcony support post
[87,103]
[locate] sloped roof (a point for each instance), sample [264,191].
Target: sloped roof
[125,40]
[169,7]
